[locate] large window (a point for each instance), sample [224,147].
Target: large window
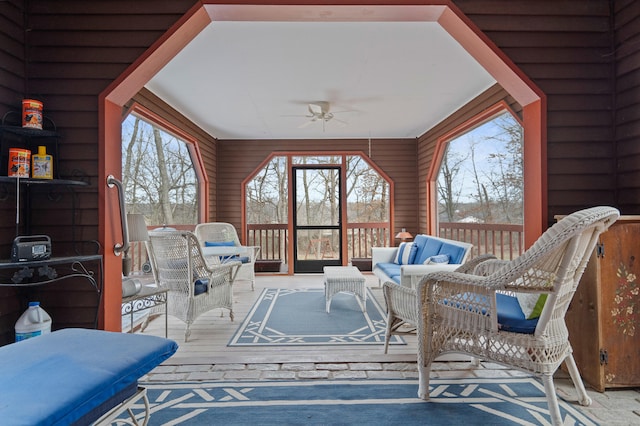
[158,174]
[480,186]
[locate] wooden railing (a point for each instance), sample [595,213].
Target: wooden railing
[505,241]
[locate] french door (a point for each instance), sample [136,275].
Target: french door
[317,213]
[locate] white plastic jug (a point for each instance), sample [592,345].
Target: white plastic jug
[33,322]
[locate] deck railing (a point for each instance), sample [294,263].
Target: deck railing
[505,241]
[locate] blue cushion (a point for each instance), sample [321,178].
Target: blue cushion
[201,285]
[438,258]
[391,269]
[58,378]
[510,316]
[405,254]
[456,253]
[419,241]
[431,248]
[236,258]
[219,243]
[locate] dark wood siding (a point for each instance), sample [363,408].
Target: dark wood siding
[565,48]
[73,52]
[396,157]
[627,122]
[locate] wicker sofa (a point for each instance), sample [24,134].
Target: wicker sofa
[424,255]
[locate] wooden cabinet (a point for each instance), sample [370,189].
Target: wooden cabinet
[604,316]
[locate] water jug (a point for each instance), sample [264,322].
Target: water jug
[33,322]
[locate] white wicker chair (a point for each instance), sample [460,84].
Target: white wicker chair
[179,263]
[458,312]
[221,232]
[402,303]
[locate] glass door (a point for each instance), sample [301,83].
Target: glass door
[317,233]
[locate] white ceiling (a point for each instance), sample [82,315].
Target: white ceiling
[254,80]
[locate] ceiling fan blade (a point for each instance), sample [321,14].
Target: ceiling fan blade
[315,109]
[303,125]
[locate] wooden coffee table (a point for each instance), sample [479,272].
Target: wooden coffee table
[344,278]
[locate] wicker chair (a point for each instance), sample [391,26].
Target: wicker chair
[194,286]
[462,312]
[221,232]
[402,303]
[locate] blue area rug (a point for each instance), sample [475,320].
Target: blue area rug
[284,317]
[359,402]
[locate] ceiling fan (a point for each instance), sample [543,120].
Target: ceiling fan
[319,111]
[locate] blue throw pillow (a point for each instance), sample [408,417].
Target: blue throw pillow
[405,254]
[219,243]
[438,258]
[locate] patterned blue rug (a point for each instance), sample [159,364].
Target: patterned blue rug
[284,317]
[507,401]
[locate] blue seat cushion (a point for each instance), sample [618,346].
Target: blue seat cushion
[219,243]
[510,315]
[59,378]
[431,248]
[391,269]
[456,253]
[236,258]
[201,285]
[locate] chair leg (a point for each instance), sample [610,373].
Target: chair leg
[387,334]
[187,332]
[583,397]
[552,399]
[423,380]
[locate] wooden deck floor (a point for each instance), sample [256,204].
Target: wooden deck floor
[211,333]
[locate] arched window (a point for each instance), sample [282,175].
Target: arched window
[158,173]
[479,187]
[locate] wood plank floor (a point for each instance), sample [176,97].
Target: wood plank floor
[211,332]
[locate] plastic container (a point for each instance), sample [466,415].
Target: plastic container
[42,164]
[32,113]
[33,322]
[19,162]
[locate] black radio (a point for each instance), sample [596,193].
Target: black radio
[33,247]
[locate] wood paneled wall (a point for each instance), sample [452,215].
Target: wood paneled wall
[566,49]
[397,157]
[627,106]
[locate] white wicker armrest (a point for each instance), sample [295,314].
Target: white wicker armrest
[383,255]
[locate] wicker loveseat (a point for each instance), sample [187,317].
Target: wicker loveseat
[406,264]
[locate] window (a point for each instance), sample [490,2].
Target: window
[480,186]
[158,174]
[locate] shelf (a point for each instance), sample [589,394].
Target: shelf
[28,132]
[31,181]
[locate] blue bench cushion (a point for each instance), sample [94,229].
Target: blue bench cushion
[430,247]
[219,243]
[391,269]
[58,378]
[236,258]
[456,253]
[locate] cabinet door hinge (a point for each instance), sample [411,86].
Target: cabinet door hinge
[600,250]
[604,357]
